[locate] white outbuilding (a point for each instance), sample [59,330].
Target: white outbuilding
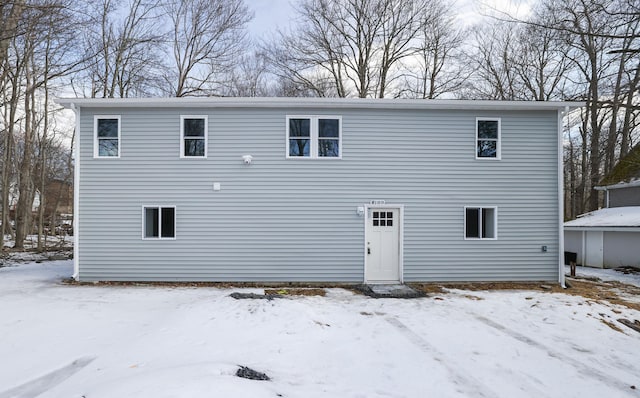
[605,238]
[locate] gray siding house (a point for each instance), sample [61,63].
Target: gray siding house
[317,190]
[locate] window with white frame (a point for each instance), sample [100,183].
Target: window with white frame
[487,138]
[193,136]
[106,140]
[159,222]
[314,136]
[480,222]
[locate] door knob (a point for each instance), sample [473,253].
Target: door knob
[368,250]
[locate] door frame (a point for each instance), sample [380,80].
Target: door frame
[400,208]
[588,248]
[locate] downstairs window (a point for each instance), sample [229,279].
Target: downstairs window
[159,222]
[480,223]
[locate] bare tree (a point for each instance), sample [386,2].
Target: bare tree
[122,49]
[587,50]
[11,15]
[348,47]
[437,67]
[540,63]
[207,36]
[249,77]
[594,28]
[39,51]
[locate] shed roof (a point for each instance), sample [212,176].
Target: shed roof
[279,102]
[628,216]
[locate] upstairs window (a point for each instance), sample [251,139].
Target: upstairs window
[314,136]
[159,222]
[193,136]
[487,138]
[299,137]
[480,223]
[106,143]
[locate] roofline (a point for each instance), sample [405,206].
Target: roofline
[306,102]
[635,183]
[608,228]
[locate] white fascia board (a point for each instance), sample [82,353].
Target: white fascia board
[605,229]
[619,185]
[280,102]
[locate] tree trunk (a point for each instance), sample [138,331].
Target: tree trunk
[25,185]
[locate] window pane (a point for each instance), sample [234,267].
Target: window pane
[329,128]
[194,127]
[487,149]
[151,222]
[488,129]
[375,222]
[108,128]
[299,128]
[298,147]
[488,223]
[168,222]
[389,214]
[107,147]
[328,148]
[389,223]
[194,147]
[472,223]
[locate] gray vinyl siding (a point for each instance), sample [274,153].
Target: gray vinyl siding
[621,197]
[284,219]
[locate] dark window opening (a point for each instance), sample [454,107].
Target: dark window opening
[480,223]
[159,222]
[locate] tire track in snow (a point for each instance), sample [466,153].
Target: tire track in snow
[468,384]
[42,384]
[582,368]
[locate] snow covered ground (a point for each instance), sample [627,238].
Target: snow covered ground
[141,341]
[607,275]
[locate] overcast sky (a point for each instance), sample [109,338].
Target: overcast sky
[271,14]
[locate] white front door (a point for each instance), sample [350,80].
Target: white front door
[382,251]
[593,249]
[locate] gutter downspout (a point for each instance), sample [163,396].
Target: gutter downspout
[76,193]
[561,199]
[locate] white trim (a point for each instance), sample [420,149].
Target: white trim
[314,137]
[635,183]
[76,195]
[400,239]
[96,146]
[495,222]
[206,135]
[295,103]
[160,207]
[498,140]
[584,248]
[605,229]
[561,198]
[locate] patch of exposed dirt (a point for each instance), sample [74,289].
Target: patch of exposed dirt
[479,286]
[287,289]
[628,270]
[590,288]
[297,292]
[612,291]
[11,257]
